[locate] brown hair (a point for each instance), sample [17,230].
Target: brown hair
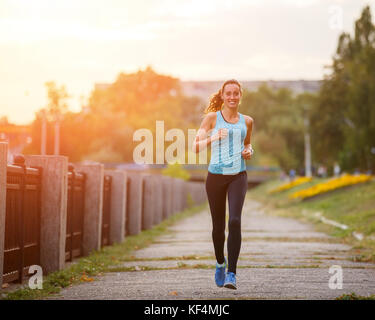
[216,101]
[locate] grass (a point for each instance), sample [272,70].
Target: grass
[353,206]
[353,296]
[98,262]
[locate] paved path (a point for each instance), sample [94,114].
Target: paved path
[280,258]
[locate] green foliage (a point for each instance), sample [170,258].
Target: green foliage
[56,99]
[354,296]
[278,124]
[103,130]
[176,170]
[340,119]
[352,206]
[344,119]
[104,153]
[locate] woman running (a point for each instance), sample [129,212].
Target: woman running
[230,147]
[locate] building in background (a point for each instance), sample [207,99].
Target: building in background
[17,136]
[204,89]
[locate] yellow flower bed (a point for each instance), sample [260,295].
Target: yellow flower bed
[335,183]
[292,184]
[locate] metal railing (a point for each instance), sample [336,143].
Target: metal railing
[22,220]
[75,214]
[23,216]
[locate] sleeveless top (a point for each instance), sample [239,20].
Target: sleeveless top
[226,155]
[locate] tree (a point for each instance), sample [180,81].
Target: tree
[103,130]
[57,99]
[175,170]
[278,125]
[137,100]
[344,120]
[56,107]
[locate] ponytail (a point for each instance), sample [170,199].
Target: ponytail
[216,102]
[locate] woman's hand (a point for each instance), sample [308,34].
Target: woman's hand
[220,134]
[247,153]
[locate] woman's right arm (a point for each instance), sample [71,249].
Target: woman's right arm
[201,139]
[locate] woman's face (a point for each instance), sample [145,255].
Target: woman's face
[231,95]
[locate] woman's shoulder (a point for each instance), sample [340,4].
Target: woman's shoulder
[211,116]
[249,120]
[209,120]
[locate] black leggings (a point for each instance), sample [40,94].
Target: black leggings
[217,187]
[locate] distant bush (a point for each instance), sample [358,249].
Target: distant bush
[176,170]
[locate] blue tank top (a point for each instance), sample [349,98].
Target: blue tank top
[226,155]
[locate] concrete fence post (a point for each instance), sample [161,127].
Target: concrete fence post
[118,205]
[189,199]
[92,221]
[178,195]
[134,203]
[197,192]
[188,195]
[149,191]
[183,196]
[175,195]
[202,193]
[53,215]
[164,193]
[158,213]
[167,196]
[171,195]
[3,189]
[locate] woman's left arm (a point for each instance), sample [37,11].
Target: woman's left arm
[248,150]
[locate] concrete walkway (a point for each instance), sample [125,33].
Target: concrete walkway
[280,258]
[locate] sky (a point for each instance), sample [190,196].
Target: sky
[80,43]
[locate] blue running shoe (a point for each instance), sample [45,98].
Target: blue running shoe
[230,281]
[220,273]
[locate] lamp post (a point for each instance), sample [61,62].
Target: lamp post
[57,133]
[43,147]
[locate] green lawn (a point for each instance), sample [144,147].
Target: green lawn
[353,206]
